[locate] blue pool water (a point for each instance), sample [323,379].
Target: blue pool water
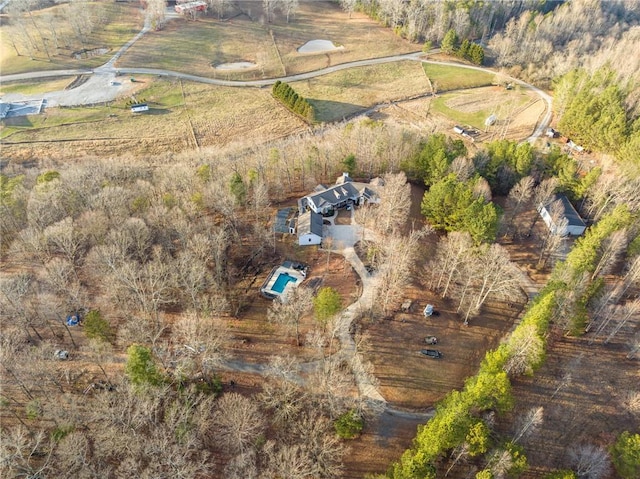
[282,281]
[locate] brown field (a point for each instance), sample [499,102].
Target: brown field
[243,35]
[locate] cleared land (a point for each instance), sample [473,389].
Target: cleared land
[447,77]
[182,115]
[473,107]
[114,24]
[243,36]
[344,93]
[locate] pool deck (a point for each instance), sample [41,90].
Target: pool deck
[267,287]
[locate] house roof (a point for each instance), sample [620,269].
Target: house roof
[334,195]
[368,193]
[568,211]
[310,222]
[280,223]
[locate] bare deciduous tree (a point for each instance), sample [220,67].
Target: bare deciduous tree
[627,313]
[239,422]
[613,248]
[496,277]
[204,339]
[453,251]
[519,195]
[589,461]
[289,309]
[529,423]
[395,201]
[25,454]
[542,196]
[156,13]
[280,392]
[394,271]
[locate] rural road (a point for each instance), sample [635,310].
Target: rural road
[103,84]
[99,87]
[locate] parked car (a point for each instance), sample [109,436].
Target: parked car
[431,340]
[428,310]
[432,353]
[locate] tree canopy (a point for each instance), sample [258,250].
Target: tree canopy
[450,205]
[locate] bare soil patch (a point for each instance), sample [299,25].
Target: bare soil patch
[481,99]
[411,380]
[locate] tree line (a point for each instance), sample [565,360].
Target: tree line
[466,50]
[461,426]
[294,102]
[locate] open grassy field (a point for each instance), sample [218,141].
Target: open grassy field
[341,94]
[196,47]
[204,115]
[35,86]
[472,107]
[446,77]
[113,25]
[210,115]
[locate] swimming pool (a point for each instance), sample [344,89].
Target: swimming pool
[282,281]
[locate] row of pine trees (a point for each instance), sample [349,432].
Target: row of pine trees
[296,103]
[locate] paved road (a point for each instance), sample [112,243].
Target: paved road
[101,87]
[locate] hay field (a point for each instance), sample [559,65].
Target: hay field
[243,36]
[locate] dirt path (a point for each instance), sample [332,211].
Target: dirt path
[103,86]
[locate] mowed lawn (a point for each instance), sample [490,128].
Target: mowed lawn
[447,78]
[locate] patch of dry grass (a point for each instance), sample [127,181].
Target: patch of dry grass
[210,114]
[195,47]
[346,92]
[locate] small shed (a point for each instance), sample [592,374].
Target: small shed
[309,229]
[567,221]
[458,129]
[139,108]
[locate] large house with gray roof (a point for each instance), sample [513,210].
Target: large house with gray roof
[324,201]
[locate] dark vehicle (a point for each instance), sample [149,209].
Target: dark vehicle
[431,340]
[432,353]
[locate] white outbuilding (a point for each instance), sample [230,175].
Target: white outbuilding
[562,218]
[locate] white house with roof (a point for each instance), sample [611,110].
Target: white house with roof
[561,217]
[344,193]
[325,200]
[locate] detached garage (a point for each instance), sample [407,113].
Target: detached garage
[309,228]
[562,218]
